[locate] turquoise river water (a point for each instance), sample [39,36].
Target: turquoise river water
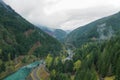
[23,72]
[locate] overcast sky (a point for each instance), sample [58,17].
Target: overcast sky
[64,14]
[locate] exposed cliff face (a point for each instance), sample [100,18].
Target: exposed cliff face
[101,29]
[104,32]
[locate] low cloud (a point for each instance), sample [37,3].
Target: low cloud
[64,14]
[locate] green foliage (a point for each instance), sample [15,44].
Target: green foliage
[100,58]
[91,61]
[18,37]
[85,74]
[48,60]
[60,34]
[89,32]
[59,70]
[68,66]
[117,77]
[77,65]
[60,76]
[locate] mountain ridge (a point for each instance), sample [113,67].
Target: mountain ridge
[90,31]
[59,34]
[18,37]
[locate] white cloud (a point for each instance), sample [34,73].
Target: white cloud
[65,14]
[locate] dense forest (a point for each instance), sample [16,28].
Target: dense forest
[59,34]
[100,29]
[96,52]
[19,38]
[95,48]
[92,61]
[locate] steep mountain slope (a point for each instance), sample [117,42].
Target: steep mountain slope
[98,30]
[59,34]
[19,37]
[101,58]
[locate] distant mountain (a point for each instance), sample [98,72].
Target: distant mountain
[68,31]
[59,34]
[98,30]
[19,37]
[47,30]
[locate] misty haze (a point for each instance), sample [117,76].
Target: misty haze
[59,40]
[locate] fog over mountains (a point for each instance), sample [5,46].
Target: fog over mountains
[64,14]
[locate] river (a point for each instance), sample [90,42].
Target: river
[23,72]
[70,55]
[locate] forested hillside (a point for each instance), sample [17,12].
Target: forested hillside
[59,34]
[92,61]
[91,52]
[96,53]
[101,29]
[99,60]
[18,37]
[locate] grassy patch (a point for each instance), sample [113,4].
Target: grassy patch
[42,73]
[72,77]
[110,78]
